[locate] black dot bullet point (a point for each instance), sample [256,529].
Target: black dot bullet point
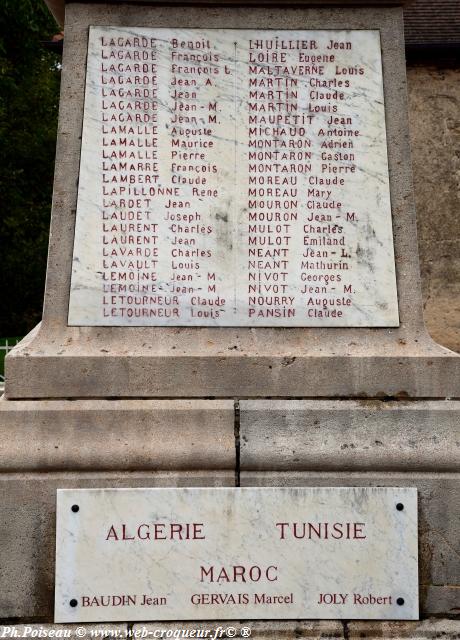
[400,601]
[73,602]
[400,506]
[75,508]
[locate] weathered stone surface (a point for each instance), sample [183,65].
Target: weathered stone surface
[271,630]
[261,630]
[116,435]
[63,361]
[27,528]
[47,446]
[57,7]
[434,100]
[249,365]
[426,629]
[431,629]
[35,630]
[356,435]
[443,600]
[324,443]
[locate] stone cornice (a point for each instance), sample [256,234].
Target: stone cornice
[57,7]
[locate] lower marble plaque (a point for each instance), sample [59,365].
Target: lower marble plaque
[252,553]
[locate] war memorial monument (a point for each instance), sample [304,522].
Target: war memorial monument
[232,410]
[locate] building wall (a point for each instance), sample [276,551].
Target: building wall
[434,96]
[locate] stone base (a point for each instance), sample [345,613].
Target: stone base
[431,629]
[76,444]
[361,443]
[46,445]
[221,362]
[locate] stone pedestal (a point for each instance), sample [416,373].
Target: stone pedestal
[59,361]
[54,444]
[368,442]
[188,406]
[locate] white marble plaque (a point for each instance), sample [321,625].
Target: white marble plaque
[252,553]
[233,178]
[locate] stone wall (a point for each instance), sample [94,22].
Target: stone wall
[434,113]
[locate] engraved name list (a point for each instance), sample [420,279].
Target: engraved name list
[233,178]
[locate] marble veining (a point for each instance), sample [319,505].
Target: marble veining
[245,553]
[233,178]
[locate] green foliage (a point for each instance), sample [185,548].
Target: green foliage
[29,96]
[6,344]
